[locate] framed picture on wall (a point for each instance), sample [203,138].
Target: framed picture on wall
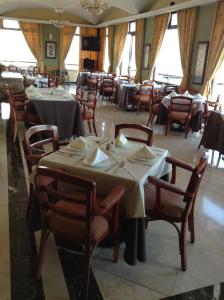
[201,59]
[146,53]
[50,49]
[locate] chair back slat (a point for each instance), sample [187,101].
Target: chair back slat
[137,128]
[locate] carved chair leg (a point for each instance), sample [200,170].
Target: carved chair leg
[191,225]
[183,246]
[85,285]
[30,199]
[15,130]
[94,127]
[89,125]
[43,244]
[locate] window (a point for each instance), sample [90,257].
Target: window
[218,85]
[168,65]
[128,65]
[11,35]
[106,63]
[72,59]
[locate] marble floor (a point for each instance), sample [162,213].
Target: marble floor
[160,276]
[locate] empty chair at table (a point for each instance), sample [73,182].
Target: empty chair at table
[135,132]
[107,88]
[82,217]
[92,82]
[144,96]
[35,141]
[180,110]
[88,109]
[169,202]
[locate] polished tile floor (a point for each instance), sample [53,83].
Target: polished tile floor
[160,276]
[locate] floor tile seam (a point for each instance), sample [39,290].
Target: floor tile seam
[128,280]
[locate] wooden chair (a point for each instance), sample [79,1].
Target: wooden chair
[137,129]
[88,108]
[53,80]
[12,68]
[154,106]
[107,88]
[144,96]
[168,202]
[180,110]
[210,106]
[92,82]
[82,217]
[79,93]
[18,111]
[34,139]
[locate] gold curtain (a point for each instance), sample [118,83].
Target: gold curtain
[87,54]
[139,42]
[33,33]
[66,37]
[101,53]
[187,19]
[119,40]
[111,47]
[1,23]
[216,48]
[161,23]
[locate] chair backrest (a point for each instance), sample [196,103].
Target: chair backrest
[148,82]
[181,104]
[91,97]
[136,128]
[36,70]
[79,92]
[170,88]
[108,81]
[86,211]
[195,181]
[34,140]
[53,80]
[12,68]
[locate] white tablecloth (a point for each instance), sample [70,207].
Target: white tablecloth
[133,201]
[198,103]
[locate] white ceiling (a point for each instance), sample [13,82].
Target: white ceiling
[129,7]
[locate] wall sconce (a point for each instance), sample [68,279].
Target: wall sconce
[50,36]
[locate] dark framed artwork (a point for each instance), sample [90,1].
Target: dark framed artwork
[50,49]
[146,53]
[201,59]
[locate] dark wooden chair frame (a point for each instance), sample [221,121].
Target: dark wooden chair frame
[189,197]
[139,127]
[91,209]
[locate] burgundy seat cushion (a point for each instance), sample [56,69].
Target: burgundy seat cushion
[172,204]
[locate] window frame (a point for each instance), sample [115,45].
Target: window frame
[170,26]
[133,34]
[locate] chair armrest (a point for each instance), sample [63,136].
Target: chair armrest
[32,157]
[179,163]
[113,198]
[166,185]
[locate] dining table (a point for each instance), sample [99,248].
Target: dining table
[126,91]
[58,108]
[14,80]
[120,167]
[198,109]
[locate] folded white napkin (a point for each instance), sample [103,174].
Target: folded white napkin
[39,76]
[120,140]
[173,94]
[187,94]
[80,143]
[145,152]
[60,88]
[95,157]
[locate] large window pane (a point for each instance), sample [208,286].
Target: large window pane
[125,56]
[11,54]
[218,86]
[168,65]
[72,59]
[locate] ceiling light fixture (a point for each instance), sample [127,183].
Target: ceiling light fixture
[95,7]
[59,23]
